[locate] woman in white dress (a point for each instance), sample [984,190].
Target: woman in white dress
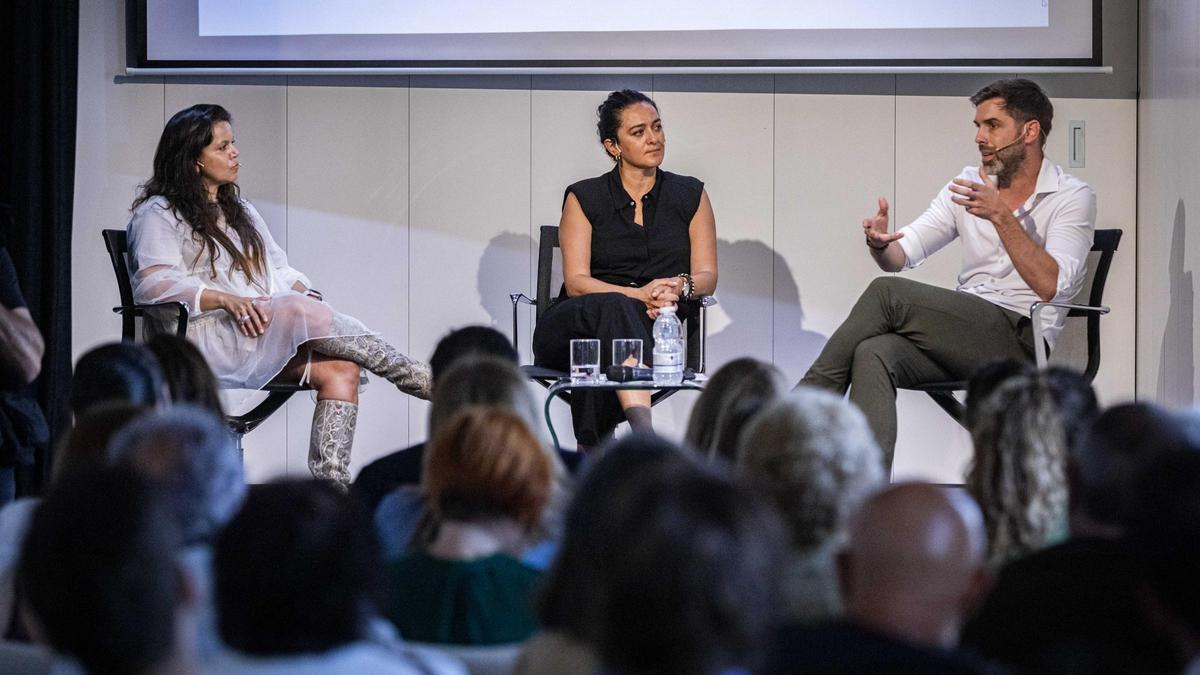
[256,319]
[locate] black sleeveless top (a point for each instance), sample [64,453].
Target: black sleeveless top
[625,253]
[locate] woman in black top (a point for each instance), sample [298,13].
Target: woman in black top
[633,241]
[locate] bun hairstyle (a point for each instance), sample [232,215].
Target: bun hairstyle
[609,112]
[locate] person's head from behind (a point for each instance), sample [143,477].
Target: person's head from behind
[572,592]
[987,379]
[486,467]
[98,576]
[85,444]
[192,454]
[813,454]
[695,587]
[1022,435]
[1013,117]
[120,371]
[481,380]
[1163,534]
[470,341]
[296,571]
[188,376]
[914,563]
[1113,453]
[630,129]
[734,393]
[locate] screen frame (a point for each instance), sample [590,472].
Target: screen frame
[137,59]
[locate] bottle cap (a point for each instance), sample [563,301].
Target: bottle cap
[669,309]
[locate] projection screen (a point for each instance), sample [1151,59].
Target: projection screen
[613,35]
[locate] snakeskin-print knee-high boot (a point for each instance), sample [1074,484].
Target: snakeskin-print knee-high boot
[332,435]
[373,353]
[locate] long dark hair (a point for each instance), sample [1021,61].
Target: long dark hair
[175,177]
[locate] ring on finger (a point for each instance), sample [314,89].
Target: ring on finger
[243,318]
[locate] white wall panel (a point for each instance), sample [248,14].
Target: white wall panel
[833,159]
[347,216]
[1168,246]
[118,129]
[1111,170]
[470,211]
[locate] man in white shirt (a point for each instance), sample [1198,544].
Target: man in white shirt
[1026,228]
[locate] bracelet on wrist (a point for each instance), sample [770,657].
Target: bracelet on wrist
[689,286]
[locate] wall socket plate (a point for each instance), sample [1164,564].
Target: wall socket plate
[1077,143]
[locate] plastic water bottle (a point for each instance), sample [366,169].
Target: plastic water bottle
[668,348]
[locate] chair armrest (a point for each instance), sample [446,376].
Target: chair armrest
[1035,318]
[706,301]
[517,299]
[181,316]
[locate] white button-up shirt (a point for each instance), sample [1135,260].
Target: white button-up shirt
[1060,216]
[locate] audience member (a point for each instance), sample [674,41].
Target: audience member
[1163,534]
[986,380]
[487,481]
[99,580]
[734,393]
[188,377]
[1073,607]
[403,467]
[694,587]
[474,381]
[911,572]
[81,449]
[190,453]
[1022,435]
[571,593]
[296,588]
[23,430]
[814,455]
[118,370]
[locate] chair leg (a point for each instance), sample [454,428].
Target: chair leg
[953,407]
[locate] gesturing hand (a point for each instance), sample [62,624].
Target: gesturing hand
[249,315]
[981,200]
[876,228]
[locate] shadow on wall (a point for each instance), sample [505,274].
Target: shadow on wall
[1177,366]
[758,293]
[503,269]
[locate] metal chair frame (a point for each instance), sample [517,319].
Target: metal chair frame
[695,332]
[278,394]
[1105,243]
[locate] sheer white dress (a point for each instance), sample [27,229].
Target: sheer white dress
[168,263]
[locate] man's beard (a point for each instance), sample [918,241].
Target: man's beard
[1005,163]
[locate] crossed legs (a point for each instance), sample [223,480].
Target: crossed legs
[901,333]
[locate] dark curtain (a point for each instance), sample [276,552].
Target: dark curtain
[39,56]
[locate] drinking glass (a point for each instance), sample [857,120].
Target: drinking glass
[585,360]
[627,352]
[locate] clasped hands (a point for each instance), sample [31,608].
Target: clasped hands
[660,293]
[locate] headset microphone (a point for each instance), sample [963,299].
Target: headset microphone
[1019,139]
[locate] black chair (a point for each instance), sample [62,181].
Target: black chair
[1104,246]
[118,252]
[694,331]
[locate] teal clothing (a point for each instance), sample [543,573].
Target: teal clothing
[485,601]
